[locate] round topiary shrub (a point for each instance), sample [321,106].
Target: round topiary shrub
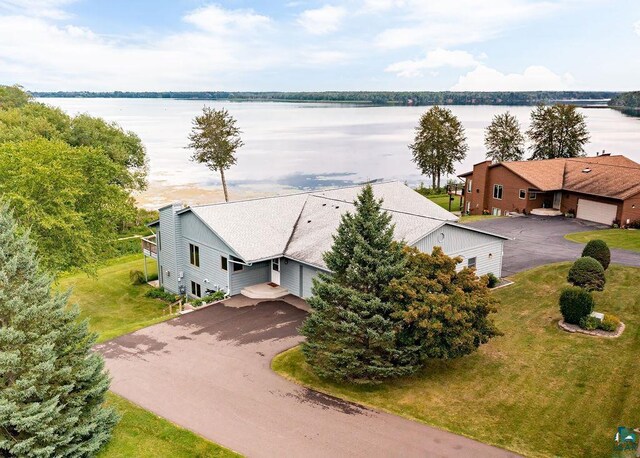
[598,250]
[575,304]
[587,273]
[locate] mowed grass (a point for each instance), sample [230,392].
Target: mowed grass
[537,390]
[142,434]
[472,218]
[443,201]
[615,238]
[111,303]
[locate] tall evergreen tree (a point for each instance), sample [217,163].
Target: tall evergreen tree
[503,139]
[52,386]
[351,333]
[557,131]
[440,141]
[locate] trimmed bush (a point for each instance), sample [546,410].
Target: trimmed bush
[575,304]
[136,277]
[598,250]
[492,280]
[587,273]
[589,323]
[609,323]
[160,293]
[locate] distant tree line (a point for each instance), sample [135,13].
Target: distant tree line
[405,98]
[626,100]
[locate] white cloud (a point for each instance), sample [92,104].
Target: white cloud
[223,45]
[450,23]
[52,9]
[323,20]
[324,57]
[218,20]
[636,27]
[434,59]
[534,78]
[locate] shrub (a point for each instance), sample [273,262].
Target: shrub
[635,224]
[160,293]
[609,323]
[215,296]
[136,277]
[589,323]
[598,250]
[492,280]
[587,273]
[575,304]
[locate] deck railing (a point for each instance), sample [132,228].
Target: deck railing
[149,247]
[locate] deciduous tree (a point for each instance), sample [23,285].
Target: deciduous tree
[215,138]
[504,139]
[557,131]
[52,386]
[444,313]
[440,141]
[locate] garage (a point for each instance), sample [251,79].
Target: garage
[599,212]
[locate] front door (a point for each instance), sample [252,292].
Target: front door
[557,200]
[275,271]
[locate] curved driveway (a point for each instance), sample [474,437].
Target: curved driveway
[209,371]
[538,240]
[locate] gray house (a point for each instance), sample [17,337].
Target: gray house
[237,246]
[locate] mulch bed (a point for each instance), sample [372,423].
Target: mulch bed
[596,332]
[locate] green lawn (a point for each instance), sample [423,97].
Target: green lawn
[443,201]
[615,238]
[142,434]
[113,305]
[471,218]
[536,390]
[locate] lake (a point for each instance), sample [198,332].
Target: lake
[310,145]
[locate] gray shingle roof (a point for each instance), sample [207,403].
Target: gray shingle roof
[300,226]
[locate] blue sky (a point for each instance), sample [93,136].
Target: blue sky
[316,45]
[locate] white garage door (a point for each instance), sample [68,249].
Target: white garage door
[596,211]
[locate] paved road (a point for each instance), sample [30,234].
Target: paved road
[209,371]
[539,240]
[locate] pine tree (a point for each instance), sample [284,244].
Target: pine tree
[351,333]
[52,386]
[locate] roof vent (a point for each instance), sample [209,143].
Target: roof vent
[337,206]
[308,221]
[586,170]
[324,205]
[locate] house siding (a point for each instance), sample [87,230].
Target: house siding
[298,277]
[457,241]
[631,210]
[259,272]
[308,274]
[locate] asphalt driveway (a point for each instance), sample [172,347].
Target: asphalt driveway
[209,371]
[539,240]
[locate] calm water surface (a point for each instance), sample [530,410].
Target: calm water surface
[307,145]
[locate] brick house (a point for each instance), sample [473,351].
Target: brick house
[605,188]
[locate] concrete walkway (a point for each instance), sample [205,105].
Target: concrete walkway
[209,371]
[540,240]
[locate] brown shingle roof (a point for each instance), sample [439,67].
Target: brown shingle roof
[544,175]
[610,176]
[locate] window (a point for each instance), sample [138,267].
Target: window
[236,266]
[194,255]
[471,262]
[497,191]
[469,185]
[195,289]
[224,263]
[275,264]
[523,194]
[159,240]
[532,195]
